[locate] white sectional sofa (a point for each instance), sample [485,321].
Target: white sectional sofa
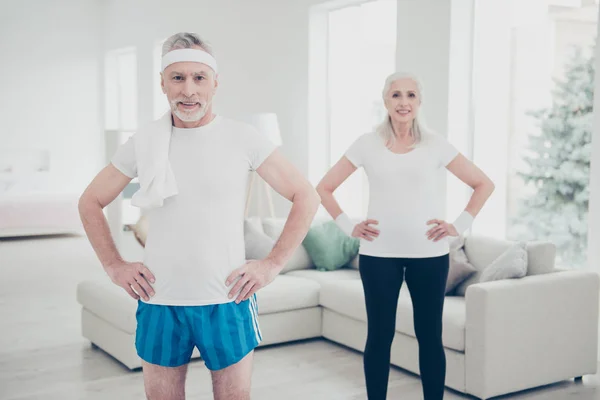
[501,337]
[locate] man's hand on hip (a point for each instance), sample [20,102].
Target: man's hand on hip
[253,275]
[135,278]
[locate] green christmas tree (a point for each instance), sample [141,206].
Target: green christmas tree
[559,166]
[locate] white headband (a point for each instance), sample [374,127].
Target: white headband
[189,55]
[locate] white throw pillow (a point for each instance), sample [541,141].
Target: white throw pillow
[258,245]
[509,265]
[300,258]
[460,268]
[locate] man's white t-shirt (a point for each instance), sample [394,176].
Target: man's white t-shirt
[405,191]
[196,239]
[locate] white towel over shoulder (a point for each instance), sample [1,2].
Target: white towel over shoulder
[155,175]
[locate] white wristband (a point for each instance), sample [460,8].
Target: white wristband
[345,224]
[463,222]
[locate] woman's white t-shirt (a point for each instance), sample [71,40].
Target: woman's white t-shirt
[405,191]
[196,239]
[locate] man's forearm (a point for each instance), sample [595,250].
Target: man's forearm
[304,208]
[98,233]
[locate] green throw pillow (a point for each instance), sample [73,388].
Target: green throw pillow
[329,247]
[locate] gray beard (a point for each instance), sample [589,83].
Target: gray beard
[190,117]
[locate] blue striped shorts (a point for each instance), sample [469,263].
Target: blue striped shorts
[223,333]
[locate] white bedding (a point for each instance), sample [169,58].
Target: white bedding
[31,205]
[39,214]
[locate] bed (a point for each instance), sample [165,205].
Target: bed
[31,201]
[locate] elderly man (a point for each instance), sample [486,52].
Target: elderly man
[194,288]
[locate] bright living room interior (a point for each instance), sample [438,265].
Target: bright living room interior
[484,64]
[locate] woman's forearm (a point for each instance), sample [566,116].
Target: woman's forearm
[479,197]
[342,220]
[329,202]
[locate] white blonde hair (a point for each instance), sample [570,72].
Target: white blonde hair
[385,129]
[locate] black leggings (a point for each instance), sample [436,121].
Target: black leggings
[426,280]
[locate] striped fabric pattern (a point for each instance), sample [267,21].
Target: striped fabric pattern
[223,333]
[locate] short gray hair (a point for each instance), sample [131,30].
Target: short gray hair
[385,129]
[185,40]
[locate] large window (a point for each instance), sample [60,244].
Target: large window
[533,121]
[121,90]
[361,53]
[121,113]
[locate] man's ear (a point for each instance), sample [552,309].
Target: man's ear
[216,83]
[162,83]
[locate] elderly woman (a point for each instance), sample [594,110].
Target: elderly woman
[403,236]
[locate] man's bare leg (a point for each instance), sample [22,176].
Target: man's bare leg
[164,383]
[233,382]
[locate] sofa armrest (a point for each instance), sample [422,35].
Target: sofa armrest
[523,333]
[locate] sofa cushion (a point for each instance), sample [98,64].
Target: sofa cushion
[255,223]
[287,293]
[509,265]
[328,247]
[323,277]
[460,267]
[300,258]
[109,302]
[347,298]
[482,251]
[258,245]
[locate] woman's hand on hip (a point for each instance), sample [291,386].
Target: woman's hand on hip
[364,230]
[441,230]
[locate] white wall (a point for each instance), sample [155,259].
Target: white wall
[49,77]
